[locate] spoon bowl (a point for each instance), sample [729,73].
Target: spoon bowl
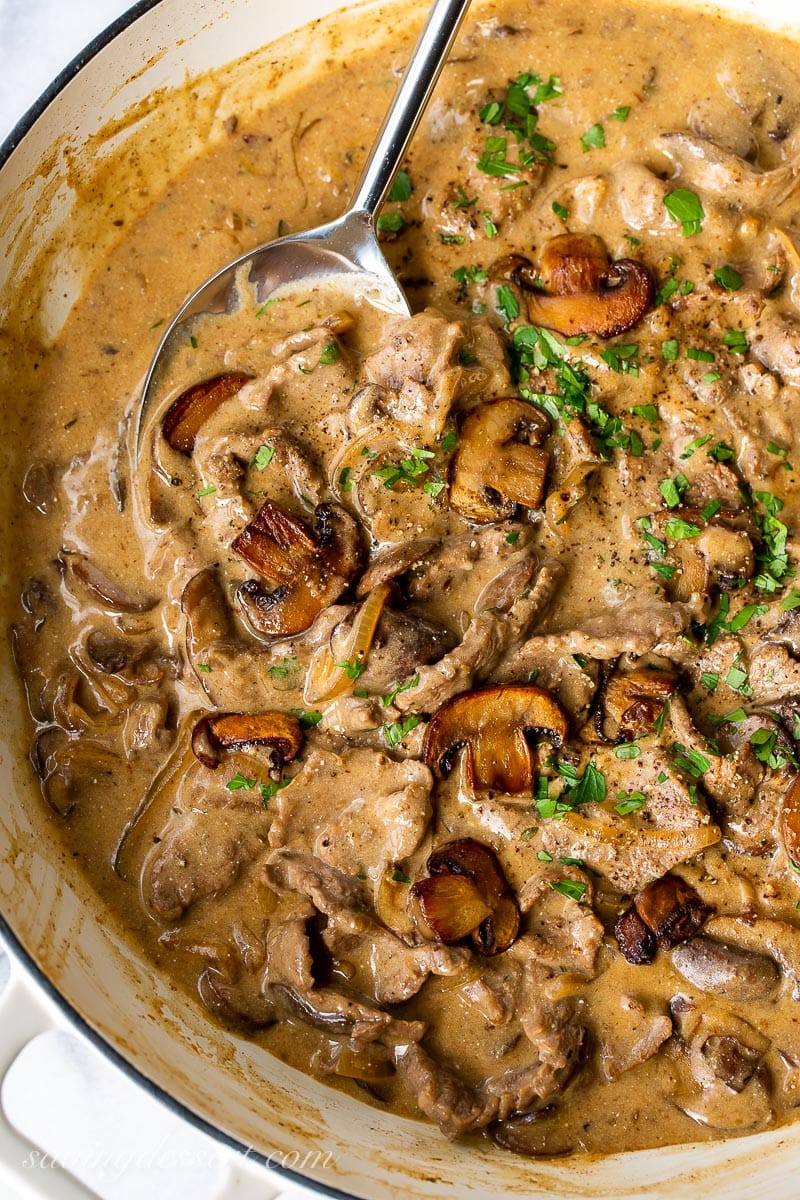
[347,247]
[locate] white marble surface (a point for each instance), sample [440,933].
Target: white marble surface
[37,40]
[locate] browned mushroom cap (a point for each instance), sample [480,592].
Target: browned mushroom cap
[193,407]
[466,895]
[584,291]
[633,702]
[500,461]
[282,734]
[664,914]
[497,726]
[636,941]
[672,910]
[311,569]
[706,553]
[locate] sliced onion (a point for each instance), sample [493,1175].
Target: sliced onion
[326,678]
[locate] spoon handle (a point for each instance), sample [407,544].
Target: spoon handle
[419,80]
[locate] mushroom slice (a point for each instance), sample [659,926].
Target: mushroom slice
[711,553]
[191,410]
[633,702]
[672,910]
[466,895]
[496,725]
[238,731]
[584,291]
[669,910]
[727,971]
[500,462]
[636,941]
[312,569]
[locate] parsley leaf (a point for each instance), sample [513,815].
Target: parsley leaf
[684,205]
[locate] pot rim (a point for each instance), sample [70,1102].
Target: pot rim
[8,939]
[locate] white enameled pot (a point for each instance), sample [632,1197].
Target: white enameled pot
[70,963]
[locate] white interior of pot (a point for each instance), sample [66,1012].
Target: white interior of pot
[227,1080]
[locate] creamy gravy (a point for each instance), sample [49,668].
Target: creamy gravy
[133,624]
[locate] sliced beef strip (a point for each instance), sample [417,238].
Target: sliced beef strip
[358,811]
[634,627]
[487,638]
[635,1035]
[394,970]
[631,850]
[419,371]
[199,854]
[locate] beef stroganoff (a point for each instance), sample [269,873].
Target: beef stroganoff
[426,695]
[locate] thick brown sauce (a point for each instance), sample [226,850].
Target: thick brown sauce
[292,167]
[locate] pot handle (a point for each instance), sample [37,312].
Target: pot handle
[25,1012]
[33,1030]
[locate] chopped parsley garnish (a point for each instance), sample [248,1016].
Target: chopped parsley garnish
[345,482]
[507,304]
[449,441]
[517,114]
[204,667]
[745,616]
[452,239]
[698,355]
[710,510]
[397,730]
[352,667]
[464,201]
[399,876]
[737,680]
[389,697]
[401,188]
[560,211]
[678,530]
[622,359]
[673,489]
[669,350]
[627,750]
[711,377]
[791,600]
[329,354]
[721,452]
[308,719]
[466,275]
[729,279]
[543,856]
[764,744]
[629,802]
[206,491]
[536,349]
[512,537]
[571,888]
[684,205]
[593,139]
[710,680]
[691,761]
[282,669]
[271,789]
[696,445]
[409,470]
[648,412]
[262,457]
[392,222]
[772,558]
[193,342]
[736,341]
[489,227]
[620,114]
[240,783]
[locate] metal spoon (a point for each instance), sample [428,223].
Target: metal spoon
[348,245]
